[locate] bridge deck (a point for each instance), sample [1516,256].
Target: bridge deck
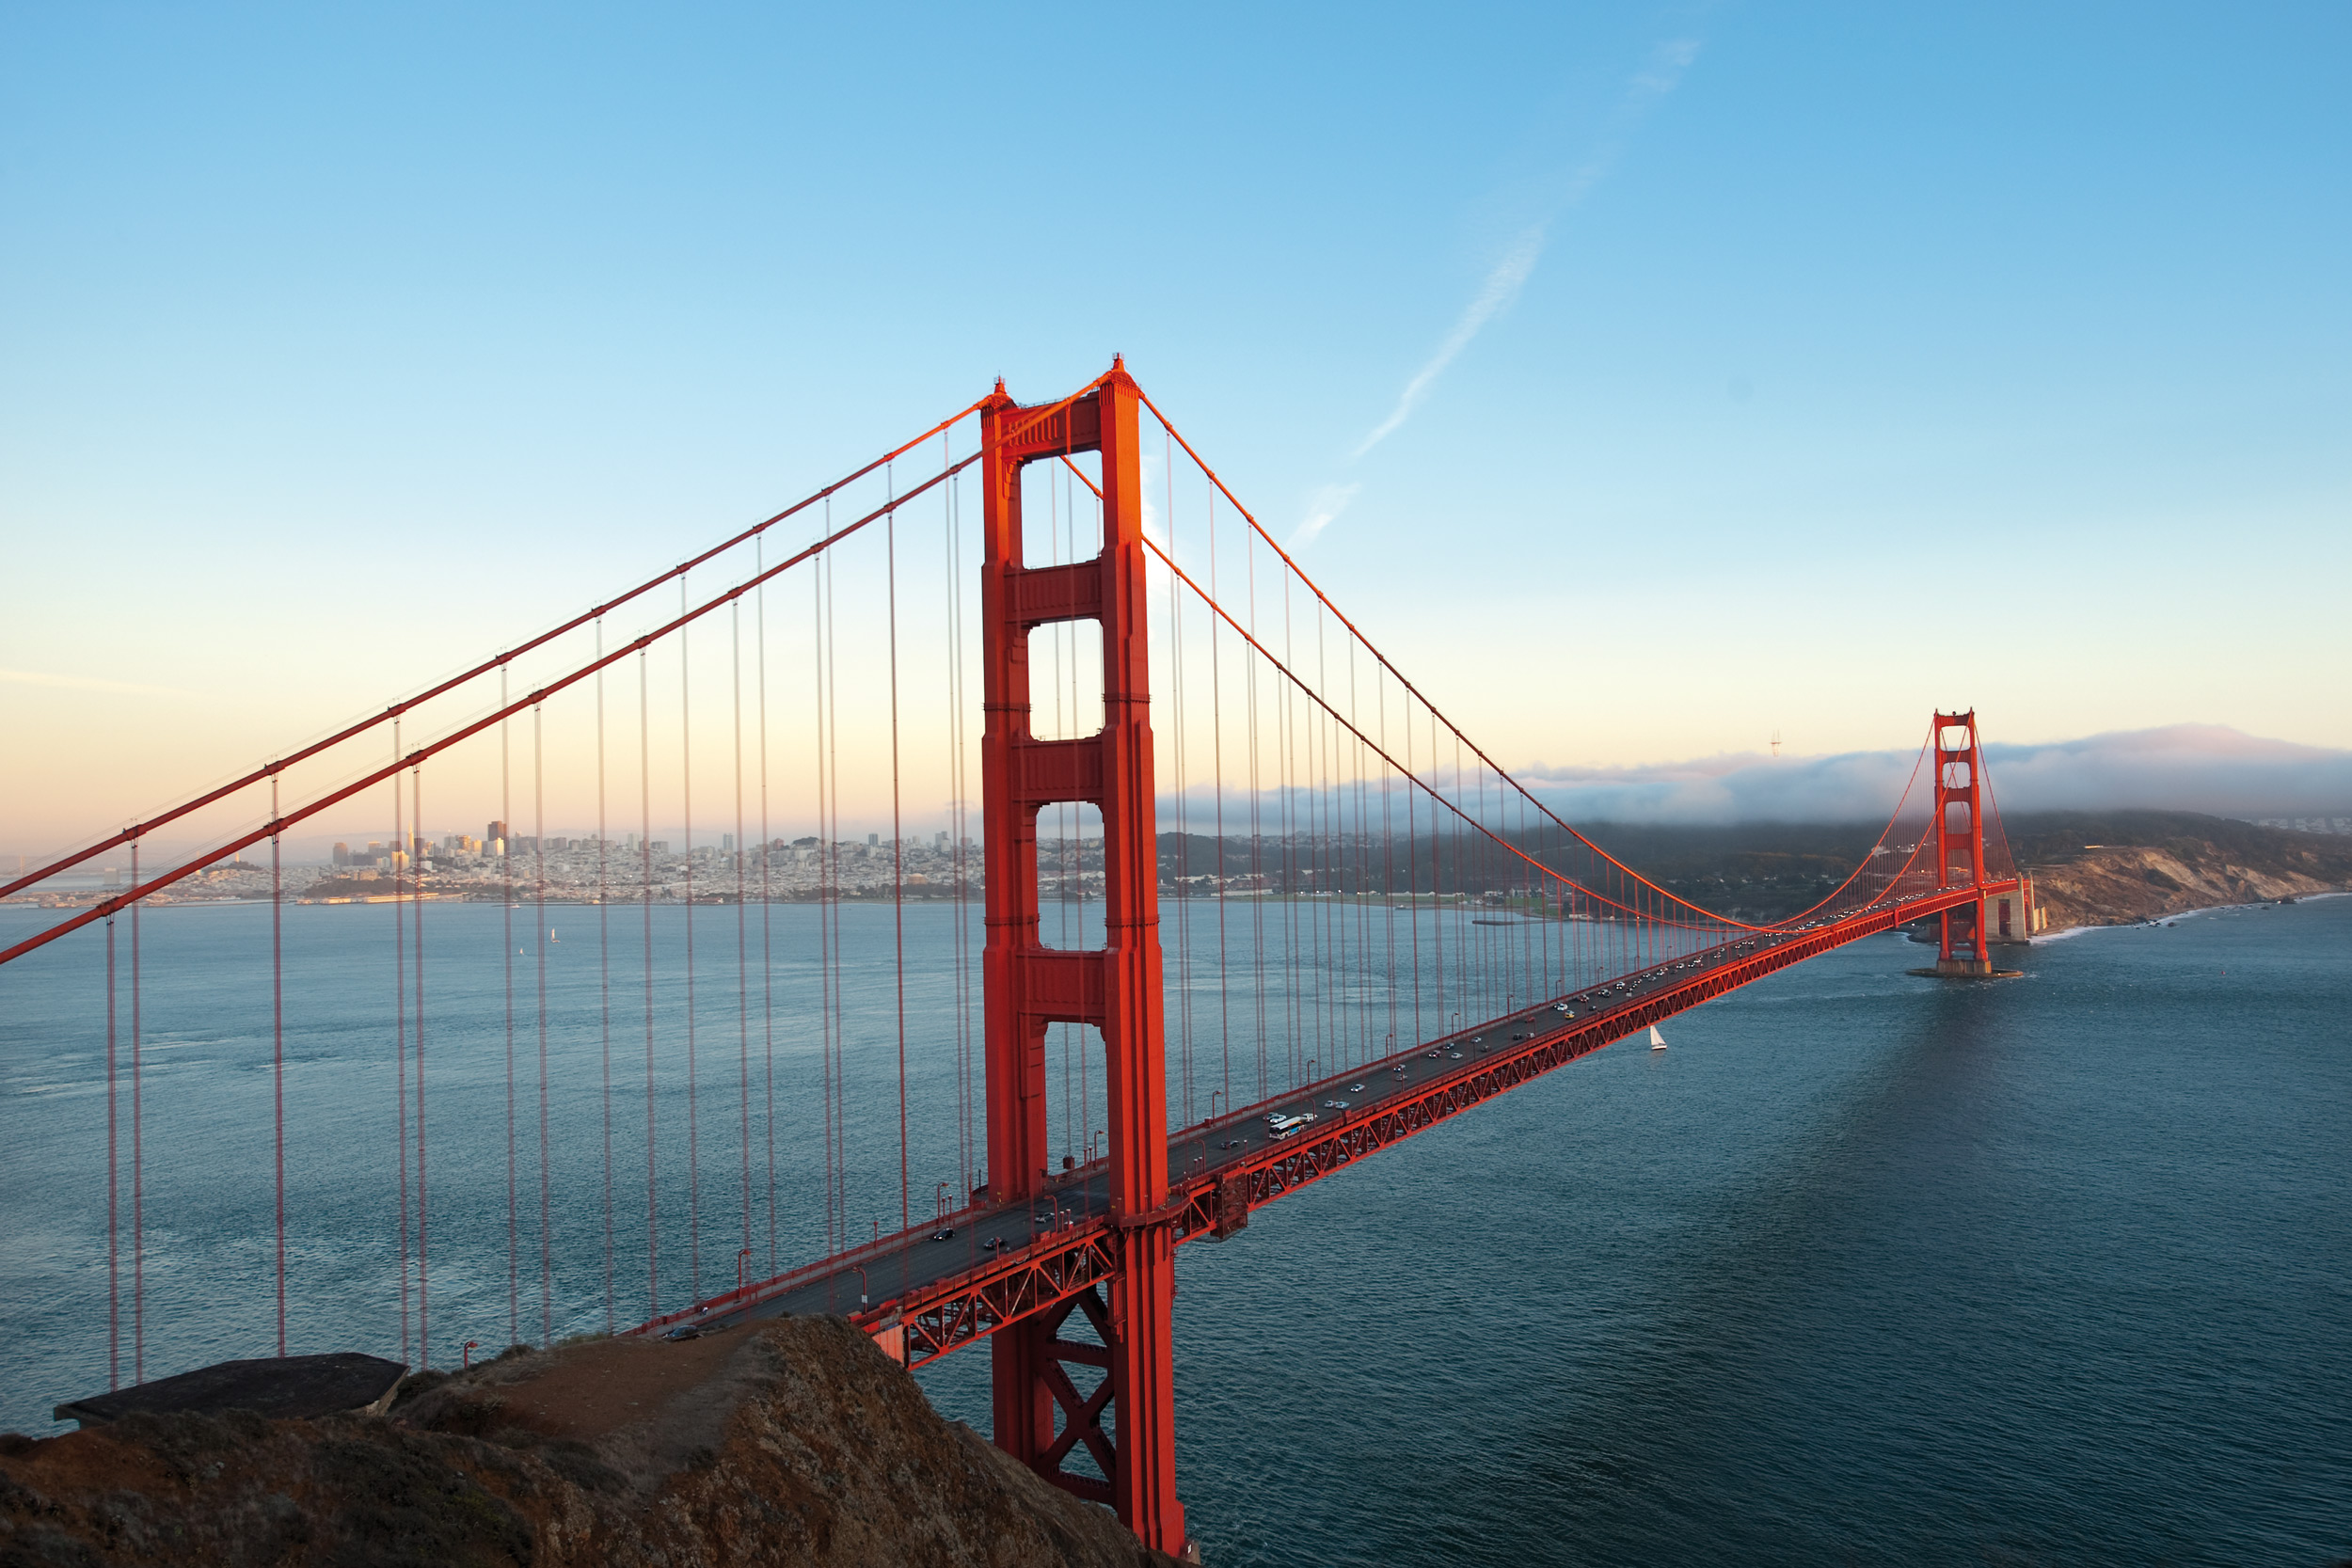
[1006,1262]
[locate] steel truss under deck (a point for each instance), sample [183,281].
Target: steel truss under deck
[1066,1265]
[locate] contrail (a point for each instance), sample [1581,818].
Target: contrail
[1503,287]
[1656,79]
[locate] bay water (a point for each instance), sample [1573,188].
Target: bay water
[1865,1267]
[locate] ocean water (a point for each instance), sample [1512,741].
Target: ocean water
[1864,1268]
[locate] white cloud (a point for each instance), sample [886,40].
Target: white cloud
[2180,767]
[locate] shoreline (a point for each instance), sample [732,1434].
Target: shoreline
[2190,913]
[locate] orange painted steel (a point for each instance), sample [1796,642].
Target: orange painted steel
[1040,1415]
[270,771]
[1707,917]
[278,824]
[1959,783]
[1038,1279]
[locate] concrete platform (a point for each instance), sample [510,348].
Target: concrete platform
[287,1385]
[1966,968]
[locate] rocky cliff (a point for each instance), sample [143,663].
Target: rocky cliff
[2114,868]
[792,1442]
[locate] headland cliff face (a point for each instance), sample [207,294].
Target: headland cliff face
[2116,868]
[791,1442]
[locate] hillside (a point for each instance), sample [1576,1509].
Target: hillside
[791,1442]
[2090,868]
[2107,868]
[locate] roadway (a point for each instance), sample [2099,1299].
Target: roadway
[872,1283]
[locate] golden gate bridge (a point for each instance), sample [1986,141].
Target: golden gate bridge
[1371,926]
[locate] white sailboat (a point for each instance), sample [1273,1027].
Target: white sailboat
[1657,1041]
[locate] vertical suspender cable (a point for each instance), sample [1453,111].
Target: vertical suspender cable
[693,1089]
[1216,764]
[824,891]
[1183,810]
[644,862]
[1257,837]
[400,987]
[277,1047]
[1290,840]
[840,1108]
[958,926]
[767,894]
[1362,879]
[837,1104]
[841,995]
[1387,851]
[1328,923]
[138,1166]
[424,1228]
[742,933]
[897,854]
[604,977]
[400,991]
[113,1270]
[1412,855]
[540,942]
[506,918]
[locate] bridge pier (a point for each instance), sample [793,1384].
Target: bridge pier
[1042,1417]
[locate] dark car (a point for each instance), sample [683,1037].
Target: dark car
[947,1234]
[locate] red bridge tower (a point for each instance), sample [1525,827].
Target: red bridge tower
[1116,989]
[1959,790]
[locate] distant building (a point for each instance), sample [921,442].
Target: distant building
[342,854]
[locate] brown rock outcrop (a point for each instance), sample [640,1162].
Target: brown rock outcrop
[792,1442]
[2116,885]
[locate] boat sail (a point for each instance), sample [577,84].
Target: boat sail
[1657,1041]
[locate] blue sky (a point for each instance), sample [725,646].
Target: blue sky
[1808,366]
